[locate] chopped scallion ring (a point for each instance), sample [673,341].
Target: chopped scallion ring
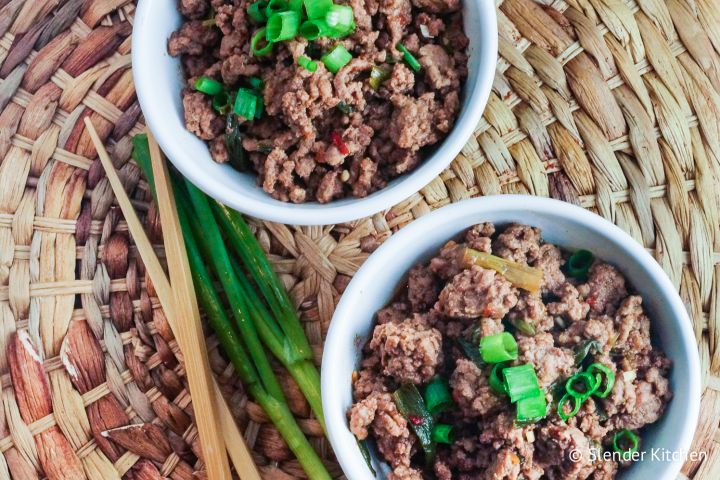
[579,263]
[437,396]
[208,86]
[599,371]
[443,433]
[258,39]
[626,442]
[498,348]
[282,26]
[587,383]
[256,11]
[245,103]
[296,6]
[336,59]
[574,408]
[521,382]
[496,380]
[532,408]
[409,57]
[312,29]
[275,6]
[221,102]
[378,75]
[341,19]
[307,63]
[317,8]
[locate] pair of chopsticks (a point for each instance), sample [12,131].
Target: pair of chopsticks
[215,423]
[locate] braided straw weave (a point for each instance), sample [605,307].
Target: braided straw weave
[610,104]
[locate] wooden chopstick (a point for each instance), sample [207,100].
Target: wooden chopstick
[234,441]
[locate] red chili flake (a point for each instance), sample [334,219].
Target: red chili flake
[339,143]
[488,312]
[415,419]
[591,301]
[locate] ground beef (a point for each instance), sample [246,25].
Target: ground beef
[339,136]
[478,292]
[200,117]
[471,390]
[390,429]
[551,363]
[410,351]
[433,329]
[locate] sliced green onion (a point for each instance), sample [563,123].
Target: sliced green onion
[259,38]
[282,26]
[409,57]
[256,11]
[587,382]
[626,442]
[307,63]
[498,348]
[523,326]
[443,433]
[584,350]
[259,107]
[365,451]
[410,404]
[313,29]
[296,6]
[336,59]
[275,6]
[221,102]
[532,408]
[521,382]
[341,19]
[345,108]
[255,82]
[471,351]
[437,396]
[579,263]
[208,86]
[378,75]
[599,370]
[245,103]
[496,380]
[576,404]
[317,8]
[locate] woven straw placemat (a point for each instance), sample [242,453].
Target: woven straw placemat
[610,104]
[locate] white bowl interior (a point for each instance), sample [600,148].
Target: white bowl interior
[159,81]
[562,224]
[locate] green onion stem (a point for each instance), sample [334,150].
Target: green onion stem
[498,348]
[437,396]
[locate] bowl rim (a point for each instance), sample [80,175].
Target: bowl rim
[350,457]
[313,213]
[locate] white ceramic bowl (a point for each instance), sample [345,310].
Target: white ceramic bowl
[159,81]
[562,224]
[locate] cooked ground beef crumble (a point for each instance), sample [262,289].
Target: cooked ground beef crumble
[417,337]
[293,147]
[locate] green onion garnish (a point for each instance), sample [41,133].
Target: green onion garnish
[282,26]
[531,408]
[221,102]
[341,19]
[378,75]
[296,6]
[245,103]
[523,326]
[579,263]
[443,433]
[307,63]
[521,382]
[313,29]
[208,86]
[411,405]
[576,404]
[498,348]
[585,350]
[437,396]
[496,380]
[259,38]
[626,443]
[345,108]
[409,58]
[586,382]
[317,8]
[336,59]
[255,82]
[256,11]
[260,106]
[599,370]
[275,6]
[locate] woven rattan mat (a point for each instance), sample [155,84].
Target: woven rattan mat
[610,104]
